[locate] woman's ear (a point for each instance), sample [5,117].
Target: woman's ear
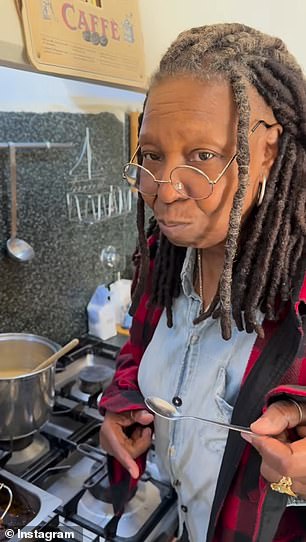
[273,135]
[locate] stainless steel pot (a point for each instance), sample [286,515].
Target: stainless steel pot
[26,399]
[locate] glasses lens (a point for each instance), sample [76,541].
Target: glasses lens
[140,178]
[191,182]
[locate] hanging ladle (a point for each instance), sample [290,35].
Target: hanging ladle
[8,489]
[49,361]
[17,248]
[166,410]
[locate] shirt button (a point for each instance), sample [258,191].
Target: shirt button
[184,508]
[177,401]
[194,339]
[176,483]
[172,450]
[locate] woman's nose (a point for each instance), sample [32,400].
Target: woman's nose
[165,191]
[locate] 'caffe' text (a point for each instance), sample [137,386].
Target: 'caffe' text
[77,19]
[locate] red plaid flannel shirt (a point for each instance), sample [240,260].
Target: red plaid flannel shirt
[245,509]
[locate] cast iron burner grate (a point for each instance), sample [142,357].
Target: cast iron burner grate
[65,469]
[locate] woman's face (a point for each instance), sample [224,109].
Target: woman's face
[192,122]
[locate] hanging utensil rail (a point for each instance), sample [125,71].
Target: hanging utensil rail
[88,208]
[35,145]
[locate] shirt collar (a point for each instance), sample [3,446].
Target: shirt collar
[187,275]
[188,271]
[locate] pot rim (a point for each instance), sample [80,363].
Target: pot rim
[31,337]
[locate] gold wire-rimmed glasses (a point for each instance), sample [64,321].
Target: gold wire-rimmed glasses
[189,181]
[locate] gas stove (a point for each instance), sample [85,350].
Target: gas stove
[64,462]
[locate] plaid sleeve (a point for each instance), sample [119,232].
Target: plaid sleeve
[283,392]
[293,383]
[123,393]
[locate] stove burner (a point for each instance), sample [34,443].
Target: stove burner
[23,457]
[15,445]
[92,379]
[102,490]
[137,511]
[54,460]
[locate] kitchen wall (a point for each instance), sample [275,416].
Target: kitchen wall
[48,296]
[162,21]
[36,92]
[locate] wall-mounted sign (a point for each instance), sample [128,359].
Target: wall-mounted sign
[91,39]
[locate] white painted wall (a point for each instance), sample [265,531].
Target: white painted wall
[35,92]
[162,20]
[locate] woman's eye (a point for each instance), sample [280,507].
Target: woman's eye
[152,156]
[202,156]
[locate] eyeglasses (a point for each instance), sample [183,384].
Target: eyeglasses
[189,181]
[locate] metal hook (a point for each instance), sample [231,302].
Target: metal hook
[8,489]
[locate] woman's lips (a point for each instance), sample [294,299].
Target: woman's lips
[172,226]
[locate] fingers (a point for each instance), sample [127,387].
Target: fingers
[116,446]
[142,416]
[140,441]
[279,456]
[298,484]
[273,475]
[289,459]
[278,417]
[301,431]
[283,459]
[125,449]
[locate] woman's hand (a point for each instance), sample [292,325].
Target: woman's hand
[114,440]
[280,457]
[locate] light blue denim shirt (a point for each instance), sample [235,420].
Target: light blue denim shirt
[193,363]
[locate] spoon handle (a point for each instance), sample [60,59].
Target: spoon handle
[63,350]
[230,426]
[13,174]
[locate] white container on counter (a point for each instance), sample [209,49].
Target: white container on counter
[101,314]
[120,292]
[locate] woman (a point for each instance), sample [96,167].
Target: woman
[219,298]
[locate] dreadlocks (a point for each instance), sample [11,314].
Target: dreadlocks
[262,263]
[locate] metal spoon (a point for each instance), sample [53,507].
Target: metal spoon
[166,410]
[17,248]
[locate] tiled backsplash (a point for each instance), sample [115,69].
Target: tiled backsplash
[48,296]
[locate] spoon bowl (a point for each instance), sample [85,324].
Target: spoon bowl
[162,408]
[19,250]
